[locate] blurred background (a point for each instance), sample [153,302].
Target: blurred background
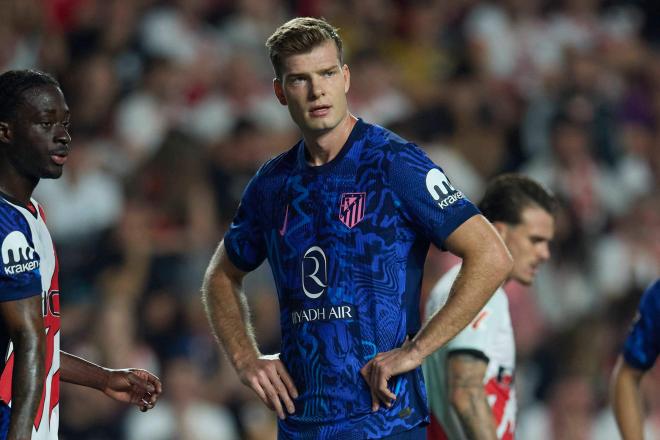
[173,111]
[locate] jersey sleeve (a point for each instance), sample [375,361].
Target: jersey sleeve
[476,337]
[425,195]
[20,276]
[643,343]
[244,241]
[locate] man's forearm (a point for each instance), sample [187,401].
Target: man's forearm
[227,311]
[476,282]
[476,415]
[465,377]
[27,385]
[627,401]
[81,372]
[486,265]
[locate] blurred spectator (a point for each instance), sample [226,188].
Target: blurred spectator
[511,41]
[246,29]
[576,175]
[184,413]
[179,33]
[86,193]
[568,414]
[374,96]
[630,255]
[144,118]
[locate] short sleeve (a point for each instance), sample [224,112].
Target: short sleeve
[20,275]
[643,343]
[477,336]
[425,195]
[244,241]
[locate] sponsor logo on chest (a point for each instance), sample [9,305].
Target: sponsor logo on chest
[314,280]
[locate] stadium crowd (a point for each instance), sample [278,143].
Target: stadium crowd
[173,110]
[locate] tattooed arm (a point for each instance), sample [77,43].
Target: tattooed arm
[468,396]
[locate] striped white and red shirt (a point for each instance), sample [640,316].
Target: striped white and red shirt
[29,267]
[490,337]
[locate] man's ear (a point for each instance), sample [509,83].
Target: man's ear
[5,132]
[279,91]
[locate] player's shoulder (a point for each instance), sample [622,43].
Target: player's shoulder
[651,297]
[384,137]
[400,155]
[282,163]
[12,217]
[394,146]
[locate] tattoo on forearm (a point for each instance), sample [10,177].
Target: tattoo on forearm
[466,376]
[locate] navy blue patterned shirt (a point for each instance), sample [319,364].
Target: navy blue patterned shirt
[346,242]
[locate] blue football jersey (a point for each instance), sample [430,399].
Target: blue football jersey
[346,242]
[643,344]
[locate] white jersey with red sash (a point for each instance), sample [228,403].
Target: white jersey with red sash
[489,337]
[28,267]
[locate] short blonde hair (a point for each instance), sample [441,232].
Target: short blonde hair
[300,35]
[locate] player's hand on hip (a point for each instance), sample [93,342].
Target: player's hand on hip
[268,377]
[384,366]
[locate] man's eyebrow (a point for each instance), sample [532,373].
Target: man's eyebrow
[52,111]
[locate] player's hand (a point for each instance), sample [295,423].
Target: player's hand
[268,377]
[379,370]
[137,387]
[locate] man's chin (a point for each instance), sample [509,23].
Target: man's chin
[525,281]
[52,174]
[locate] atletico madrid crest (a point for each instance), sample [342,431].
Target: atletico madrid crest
[351,208]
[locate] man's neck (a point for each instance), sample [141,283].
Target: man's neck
[15,185]
[324,147]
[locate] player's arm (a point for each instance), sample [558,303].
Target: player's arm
[227,311]
[24,322]
[465,377]
[486,265]
[627,400]
[133,386]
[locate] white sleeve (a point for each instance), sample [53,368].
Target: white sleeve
[479,335]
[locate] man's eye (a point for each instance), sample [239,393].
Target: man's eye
[46,124]
[330,73]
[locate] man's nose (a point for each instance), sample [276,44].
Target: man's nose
[544,252]
[316,88]
[62,135]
